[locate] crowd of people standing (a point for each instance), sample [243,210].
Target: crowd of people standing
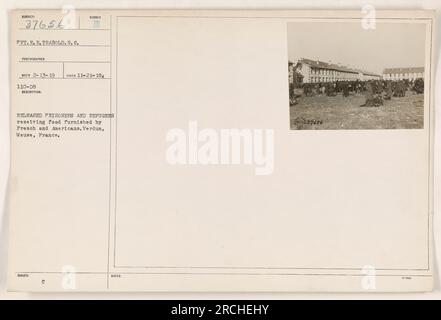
[375,91]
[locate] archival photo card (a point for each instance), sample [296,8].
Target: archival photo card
[172,151]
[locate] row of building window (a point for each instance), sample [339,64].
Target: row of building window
[326,72]
[342,77]
[401,76]
[329,79]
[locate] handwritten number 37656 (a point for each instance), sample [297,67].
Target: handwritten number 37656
[41,24]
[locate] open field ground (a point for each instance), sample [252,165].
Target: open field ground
[323,112]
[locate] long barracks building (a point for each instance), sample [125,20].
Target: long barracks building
[403,73]
[314,71]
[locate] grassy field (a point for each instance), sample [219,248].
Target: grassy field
[322,112]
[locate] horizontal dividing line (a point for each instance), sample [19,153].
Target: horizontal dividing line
[60,272]
[265,268]
[44,61]
[276,17]
[67,29]
[64,78]
[231,274]
[65,46]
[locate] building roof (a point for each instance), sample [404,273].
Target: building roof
[404,70]
[331,66]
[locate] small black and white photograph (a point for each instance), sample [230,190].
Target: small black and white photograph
[344,76]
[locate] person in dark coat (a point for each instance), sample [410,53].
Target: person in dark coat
[418,86]
[345,89]
[400,90]
[389,92]
[372,99]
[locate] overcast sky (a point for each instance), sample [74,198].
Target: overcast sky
[390,45]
